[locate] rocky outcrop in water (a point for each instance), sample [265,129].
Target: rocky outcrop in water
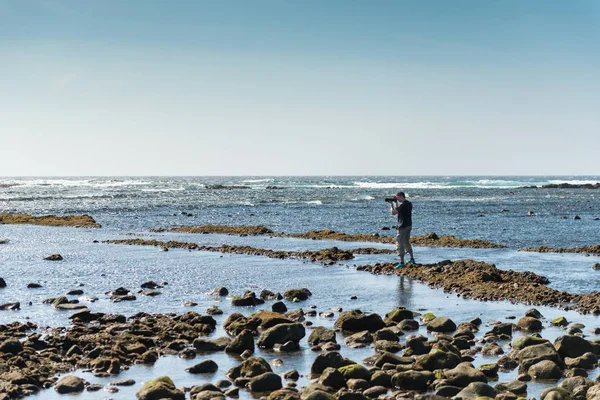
[587,250]
[220,229]
[76,221]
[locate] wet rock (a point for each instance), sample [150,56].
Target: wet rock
[291,375]
[249,368]
[287,346]
[572,346]
[243,341]
[325,360]
[75,292]
[279,307]
[441,324]
[492,349]
[533,354]
[189,303]
[360,339]
[268,319]
[555,393]
[332,378]
[160,388]
[357,385]
[381,378]
[408,325]
[476,390]
[523,341]
[447,391]
[586,361]
[354,371]
[437,359]
[54,257]
[214,310]
[219,291]
[412,380]
[489,370]
[388,345]
[300,294]
[529,324]
[204,367]
[207,345]
[320,335]
[123,382]
[149,292]
[295,315]
[357,321]
[463,375]
[560,321]
[10,306]
[533,313]
[284,394]
[545,370]
[280,334]
[515,387]
[2,283]
[397,315]
[70,384]
[11,346]
[375,391]
[267,295]
[33,286]
[248,300]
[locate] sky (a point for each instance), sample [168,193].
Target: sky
[303,87]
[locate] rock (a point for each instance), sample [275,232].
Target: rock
[586,361]
[381,378]
[408,325]
[545,370]
[10,306]
[389,358]
[555,393]
[463,375]
[560,321]
[214,310]
[33,286]
[284,394]
[243,341]
[287,346]
[11,346]
[280,334]
[523,341]
[354,371]
[250,367]
[70,384]
[502,329]
[266,382]
[515,387]
[291,375]
[320,335]
[324,360]
[572,346]
[441,324]
[332,378]
[356,385]
[447,391]
[318,395]
[279,307]
[577,218]
[388,345]
[123,382]
[54,257]
[375,391]
[397,315]
[150,285]
[531,355]
[2,283]
[206,345]
[596,267]
[533,313]
[492,349]
[360,339]
[385,334]
[300,294]
[412,380]
[75,292]
[530,324]
[357,321]
[204,367]
[248,300]
[219,291]
[190,303]
[437,359]
[476,390]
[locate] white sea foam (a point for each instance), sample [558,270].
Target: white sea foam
[316,202]
[258,180]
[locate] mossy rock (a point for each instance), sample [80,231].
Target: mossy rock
[560,321]
[398,314]
[427,317]
[354,371]
[162,387]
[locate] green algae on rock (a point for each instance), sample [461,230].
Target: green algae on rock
[220,229]
[76,221]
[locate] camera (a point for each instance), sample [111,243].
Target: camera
[390,199]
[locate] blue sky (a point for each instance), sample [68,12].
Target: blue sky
[146,87]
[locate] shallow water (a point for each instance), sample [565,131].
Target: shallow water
[127,207]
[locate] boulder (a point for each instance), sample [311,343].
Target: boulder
[360,339]
[397,315]
[332,359]
[268,319]
[464,374]
[279,307]
[389,358]
[320,334]
[437,359]
[70,384]
[249,368]
[281,334]
[475,391]
[523,341]
[207,345]
[529,324]
[219,291]
[533,313]
[375,391]
[54,257]
[531,355]
[354,371]
[299,294]
[412,380]
[357,321]
[516,387]
[545,370]
[572,346]
[586,361]
[441,324]
[243,341]
[204,367]
[560,321]
[556,393]
[266,382]
[381,378]
[160,388]
[332,378]
[284,394]
[11,346]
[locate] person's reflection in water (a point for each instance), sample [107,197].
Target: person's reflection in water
[405,291]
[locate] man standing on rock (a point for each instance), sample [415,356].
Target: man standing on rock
[403,208]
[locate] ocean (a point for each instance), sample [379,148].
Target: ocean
[475,207]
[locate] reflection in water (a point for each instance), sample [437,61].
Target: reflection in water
[405,292]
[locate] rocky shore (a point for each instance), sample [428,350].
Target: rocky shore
[431,239]
[565,186]
[587,250]
[415,355]
[77,221]
[484,282]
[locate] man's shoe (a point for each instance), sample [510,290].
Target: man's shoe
[400,265]
[412,261]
